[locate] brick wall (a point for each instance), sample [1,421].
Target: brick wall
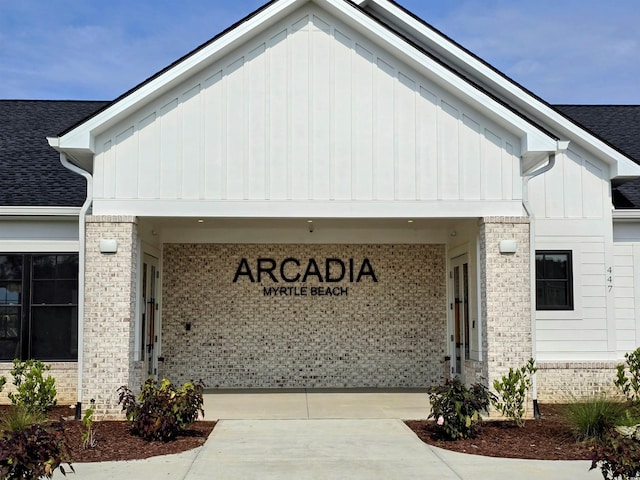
[389,333]
[505,286]
[109,328]
[565,382]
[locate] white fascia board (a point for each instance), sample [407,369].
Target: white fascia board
[82,137]
[39,246]
[410,209]
[40,211]
[621,164]
[532,137]
[623,215]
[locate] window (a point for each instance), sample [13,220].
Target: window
[554,282]
[39,307]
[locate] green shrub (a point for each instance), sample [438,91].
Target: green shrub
[34,452]
[512,392]
[161,411]
[33,392]
[629,384]
[88,438]
[456,409]
[593,418]
[617,455]
[3,380]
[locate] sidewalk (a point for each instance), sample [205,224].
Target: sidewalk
[327,449]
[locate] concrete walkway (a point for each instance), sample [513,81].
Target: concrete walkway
[327,449]
[324,434]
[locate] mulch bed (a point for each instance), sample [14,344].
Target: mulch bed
[548,438]
[114,441]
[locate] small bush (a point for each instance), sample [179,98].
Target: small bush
[162,411]
[617,455]
[33,453]
[593,418]
[512,392]
[456,409]
[34,392]
[3,380]
[88,438]
[629,384]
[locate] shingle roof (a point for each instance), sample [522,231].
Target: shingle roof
[30,170]
[31,173]
[618,125]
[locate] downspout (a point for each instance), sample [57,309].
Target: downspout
[81,271]
[561,146]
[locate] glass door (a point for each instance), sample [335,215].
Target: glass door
[460,306]
[149,308]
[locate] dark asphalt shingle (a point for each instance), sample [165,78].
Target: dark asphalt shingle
[618,125]
[30,170]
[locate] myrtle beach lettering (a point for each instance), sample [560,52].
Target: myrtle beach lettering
[293,270]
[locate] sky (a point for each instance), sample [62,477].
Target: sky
[565,51]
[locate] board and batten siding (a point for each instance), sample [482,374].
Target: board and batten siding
[310,111]
[626,237]
[572,207]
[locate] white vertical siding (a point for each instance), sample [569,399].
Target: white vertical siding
[575,188]
[626,297]
[309,111]
[581,333]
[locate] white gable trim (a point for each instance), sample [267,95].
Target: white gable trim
[80,141]
[512,92]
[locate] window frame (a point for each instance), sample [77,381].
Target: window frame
[570,304]
[28,306]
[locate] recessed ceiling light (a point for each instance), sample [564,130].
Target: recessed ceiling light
[309,221]
[200,220]
[409,221]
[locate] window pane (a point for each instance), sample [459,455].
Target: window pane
[9,333]
[10,267]
[55,292]
[555,266]
[10,293]
[54,333]
[554,289]
[67,266]
[44,266]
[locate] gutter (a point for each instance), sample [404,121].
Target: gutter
[81,270]
[561,147]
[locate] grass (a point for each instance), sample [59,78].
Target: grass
[590,419]
[19,419]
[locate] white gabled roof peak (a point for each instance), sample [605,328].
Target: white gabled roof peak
[404,34]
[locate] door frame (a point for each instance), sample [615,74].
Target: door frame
[459,328]
[149,322]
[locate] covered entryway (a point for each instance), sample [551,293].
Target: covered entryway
[305,315]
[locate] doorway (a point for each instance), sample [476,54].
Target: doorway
[149,310]
[460,306]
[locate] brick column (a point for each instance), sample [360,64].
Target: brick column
[505,293]
[110,306]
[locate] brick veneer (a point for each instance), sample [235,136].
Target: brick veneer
[385,334]
[564,382]
[109,328]
[505,297]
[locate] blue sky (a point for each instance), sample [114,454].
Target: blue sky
[566,51]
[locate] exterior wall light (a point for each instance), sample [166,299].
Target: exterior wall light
[108,245]
[508,246]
